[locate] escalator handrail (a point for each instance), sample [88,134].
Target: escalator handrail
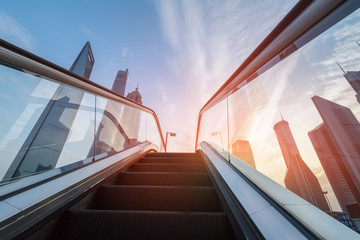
[304,17]
[18,58]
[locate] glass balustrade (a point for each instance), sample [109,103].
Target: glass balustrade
[46,124]
[297,121]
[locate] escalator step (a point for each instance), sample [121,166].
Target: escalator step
[166,167]
[163,179]
[115,224]
[157,198]
[174,155]
[170,160]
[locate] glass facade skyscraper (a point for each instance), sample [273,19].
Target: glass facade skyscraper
[299,178]
[337,144]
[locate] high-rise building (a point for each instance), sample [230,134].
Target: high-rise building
[299,178]
[84,62]
[131,117]
[242,150]
[119,84]
[340,180]
[354,80]
[337,144]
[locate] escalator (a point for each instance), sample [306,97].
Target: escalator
[161,196]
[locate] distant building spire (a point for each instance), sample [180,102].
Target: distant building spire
[281,116]
[341,67]
[84,62]
[135,95]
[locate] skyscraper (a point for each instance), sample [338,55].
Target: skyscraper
[242,150]
[119,84]
[354,80]
[337,144]
[299,178]
[84,62]
[131,118]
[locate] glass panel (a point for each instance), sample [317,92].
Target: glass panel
[298,122]
[47,125]
[118,127]
[39,118]
[152,132]
[301,120]
[80,141]
[213,128]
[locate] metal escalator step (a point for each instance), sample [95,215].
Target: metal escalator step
[166,167]
[174,154]
[149,159]
[163,179]
[157,198]
[115,224]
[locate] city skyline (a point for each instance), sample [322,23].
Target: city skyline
[170,47]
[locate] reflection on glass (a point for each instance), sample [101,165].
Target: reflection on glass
[46,125]
[81,136]
[213,128]
[19,117]
[118,127]
[152,134]
[298,122]
[45,137]
[242,150]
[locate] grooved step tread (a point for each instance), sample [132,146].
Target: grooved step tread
[174,154]
[169,160]
[157,198]
[115,224]
[166,167]
[163,179]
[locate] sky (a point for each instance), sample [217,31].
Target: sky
[179,52]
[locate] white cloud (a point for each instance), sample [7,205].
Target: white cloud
[14,32]
[210,39]
[169,19]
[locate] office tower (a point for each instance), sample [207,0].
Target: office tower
[242,150]
[112,133]
[340,180]
[299,178]
[119,84]
[336,142]
[354,80]
[84,62]
[131,118]
[42,148]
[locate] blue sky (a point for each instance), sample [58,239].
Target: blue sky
[179,52]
